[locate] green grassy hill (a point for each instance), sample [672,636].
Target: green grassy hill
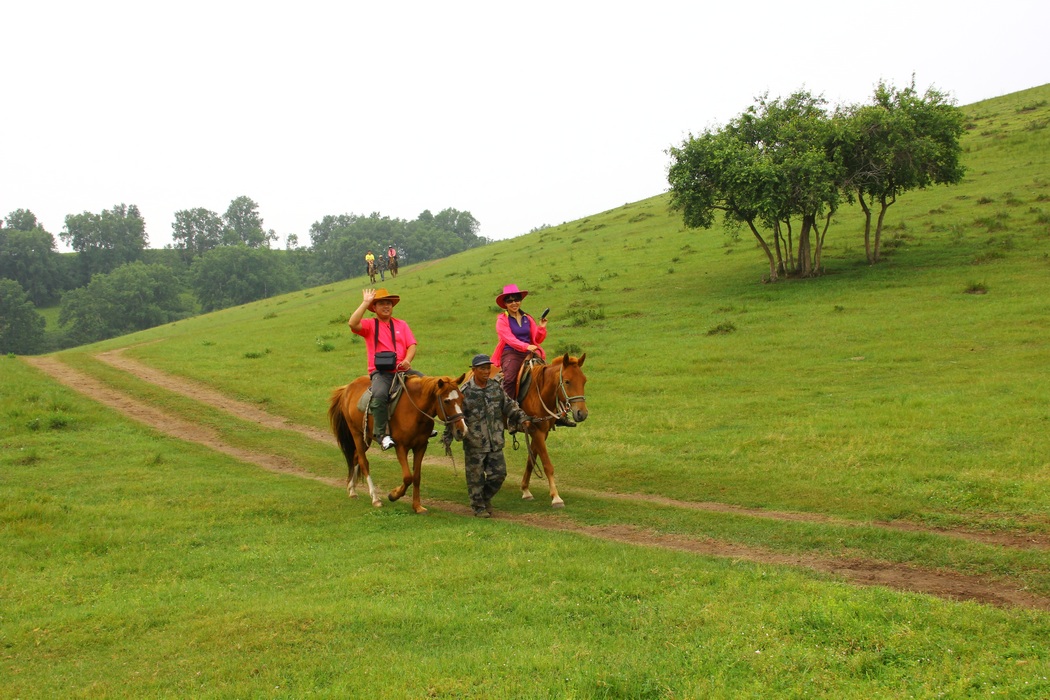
[913,392]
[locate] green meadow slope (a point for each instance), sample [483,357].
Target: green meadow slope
[885,392]
[890,419]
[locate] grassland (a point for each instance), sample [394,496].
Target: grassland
[910,394]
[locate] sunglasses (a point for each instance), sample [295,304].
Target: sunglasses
[512,300]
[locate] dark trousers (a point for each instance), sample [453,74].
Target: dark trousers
[510,362]
[381,382]
[486,472]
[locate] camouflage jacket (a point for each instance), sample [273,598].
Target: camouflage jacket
[485,410]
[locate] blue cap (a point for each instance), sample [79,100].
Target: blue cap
[480,360]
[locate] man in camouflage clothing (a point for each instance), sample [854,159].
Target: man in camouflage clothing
[487,408]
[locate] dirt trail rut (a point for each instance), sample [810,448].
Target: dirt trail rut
[946,584]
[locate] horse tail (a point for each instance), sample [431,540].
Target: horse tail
[340,426]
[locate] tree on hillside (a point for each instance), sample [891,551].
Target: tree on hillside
[132,297]
[232,275]
[244,225]
[30,257]
[21,220]
[196,231]
[769,168]
[900,142]
[105,241]
[21,327]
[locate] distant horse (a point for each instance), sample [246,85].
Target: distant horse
[423,399]
[372,272]
[393,266]
[555,390]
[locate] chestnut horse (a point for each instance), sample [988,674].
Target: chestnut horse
[393,266]
[556,390]
[423,399]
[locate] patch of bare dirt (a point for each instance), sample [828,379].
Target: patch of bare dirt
[945,584]
[206,395]
[163,422]
[1002,539]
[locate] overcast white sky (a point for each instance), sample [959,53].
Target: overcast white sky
[522,114]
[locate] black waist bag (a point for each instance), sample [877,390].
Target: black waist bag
[386,361]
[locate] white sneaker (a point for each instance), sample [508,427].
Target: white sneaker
[387,442]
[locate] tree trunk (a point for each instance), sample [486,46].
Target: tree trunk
[777,238]
[769,254]
[819,256]
[805,261]
[867,228]
[878,226]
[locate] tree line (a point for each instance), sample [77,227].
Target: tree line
[113,283]
[784,166]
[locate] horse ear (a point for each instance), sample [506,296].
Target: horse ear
[461,378]
[582,358]
[565,359]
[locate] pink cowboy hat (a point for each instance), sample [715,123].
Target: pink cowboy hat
[510,289]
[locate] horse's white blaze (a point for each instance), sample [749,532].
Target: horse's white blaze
[454,394]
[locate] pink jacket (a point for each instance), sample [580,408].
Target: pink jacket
[537,334]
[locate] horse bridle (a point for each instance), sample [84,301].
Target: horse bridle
[563,408]
[445,420]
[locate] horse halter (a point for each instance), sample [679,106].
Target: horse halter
[563,407]
[444,419]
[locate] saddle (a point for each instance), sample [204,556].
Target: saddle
[525,375]
[396,389]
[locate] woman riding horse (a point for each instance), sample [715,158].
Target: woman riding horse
[554,392]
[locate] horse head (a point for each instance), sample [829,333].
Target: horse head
[450,405]
[573,384]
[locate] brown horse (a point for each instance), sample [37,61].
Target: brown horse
[372,272]
[393,266]
[556,390]
[423,399]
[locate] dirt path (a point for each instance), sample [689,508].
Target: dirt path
[945,584]
[248,412]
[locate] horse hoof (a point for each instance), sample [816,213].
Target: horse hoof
[351,494]
[526,496]
[394,495]
[557,503]
[377,503]
[421,510]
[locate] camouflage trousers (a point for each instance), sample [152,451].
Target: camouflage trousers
[486,472]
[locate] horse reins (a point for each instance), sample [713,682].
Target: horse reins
[445,420]
[551,415]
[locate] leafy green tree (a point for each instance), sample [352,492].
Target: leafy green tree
[232,275]
[21,327]
[21,220]
[339,243]
[769,168]
[900,142]
[30,257]
[244,225]
[132,297]
[196,231]
[105,241]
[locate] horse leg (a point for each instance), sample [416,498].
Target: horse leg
[539,443]
[525,493]
[406,475]
[373,492]
[362,468]
[417,472]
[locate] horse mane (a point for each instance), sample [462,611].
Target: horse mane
[428,383]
